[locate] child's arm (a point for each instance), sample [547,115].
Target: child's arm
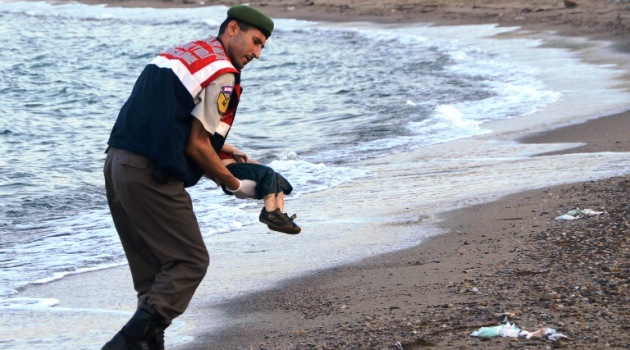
[238,155]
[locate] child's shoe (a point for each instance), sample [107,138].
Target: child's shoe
[278,221]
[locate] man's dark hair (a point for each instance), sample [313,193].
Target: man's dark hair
[242,25]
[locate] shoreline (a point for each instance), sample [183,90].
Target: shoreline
[500,263]
[604,19]
[496,258]
[438,292]
[508,257]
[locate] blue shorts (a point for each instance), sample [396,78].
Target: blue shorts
[268,181]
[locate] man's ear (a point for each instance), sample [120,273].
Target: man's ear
[233,28]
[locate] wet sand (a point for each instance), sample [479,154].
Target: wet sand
[509,257]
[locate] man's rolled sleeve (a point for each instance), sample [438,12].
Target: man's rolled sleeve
[209,110]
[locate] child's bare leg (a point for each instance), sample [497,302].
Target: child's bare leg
[270,202]
[273,201]
[278,221]
[280,201]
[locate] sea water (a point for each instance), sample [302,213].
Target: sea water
[327,105]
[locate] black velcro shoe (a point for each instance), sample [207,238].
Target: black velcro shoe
[278,221]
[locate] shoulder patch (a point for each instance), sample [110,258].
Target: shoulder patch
[223,101]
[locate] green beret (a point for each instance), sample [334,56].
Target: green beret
[252,17]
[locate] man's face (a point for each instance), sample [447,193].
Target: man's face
[244,46]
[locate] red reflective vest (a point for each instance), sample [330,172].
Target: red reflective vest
[156,119]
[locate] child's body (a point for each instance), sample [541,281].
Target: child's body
[270,187]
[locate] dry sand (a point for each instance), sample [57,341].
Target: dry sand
[507,257]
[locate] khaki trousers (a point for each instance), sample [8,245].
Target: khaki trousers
[158,231]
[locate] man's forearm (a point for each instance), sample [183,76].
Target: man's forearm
[200,150]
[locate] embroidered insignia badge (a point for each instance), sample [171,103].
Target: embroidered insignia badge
[223,101]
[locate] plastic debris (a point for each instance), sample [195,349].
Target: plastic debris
[510,330]
[548,333]
[578,213]
[504,330]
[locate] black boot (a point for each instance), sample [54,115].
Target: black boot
[157,341]
[143,328]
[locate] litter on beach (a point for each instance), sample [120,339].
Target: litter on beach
[510,330]
[505,330]
[578,213]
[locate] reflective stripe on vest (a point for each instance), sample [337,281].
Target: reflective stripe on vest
[196,64]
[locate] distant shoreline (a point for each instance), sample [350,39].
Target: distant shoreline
[602,19]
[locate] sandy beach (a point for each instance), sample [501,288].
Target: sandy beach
[506,260]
